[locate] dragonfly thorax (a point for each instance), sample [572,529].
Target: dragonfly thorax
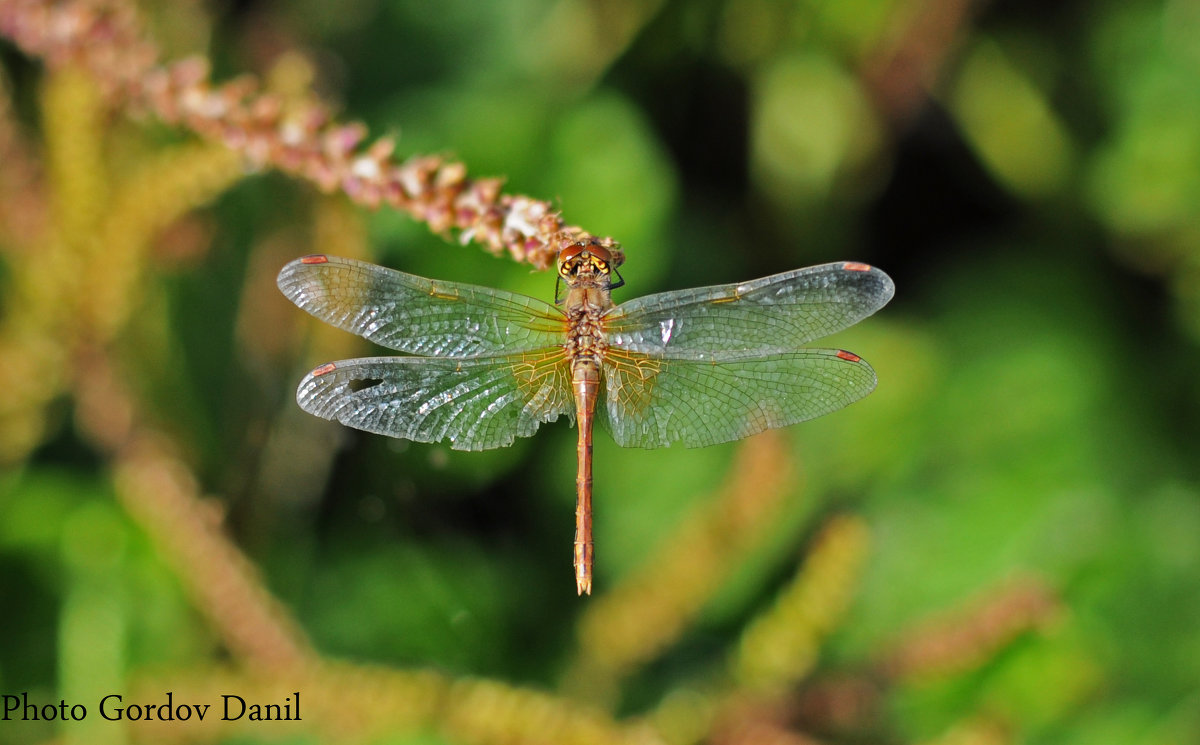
[585,333]
[586,269]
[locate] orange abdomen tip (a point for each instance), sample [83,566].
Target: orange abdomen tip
[314,259]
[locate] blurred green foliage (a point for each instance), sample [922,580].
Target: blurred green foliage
[1028,174]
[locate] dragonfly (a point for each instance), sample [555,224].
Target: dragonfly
[483,366]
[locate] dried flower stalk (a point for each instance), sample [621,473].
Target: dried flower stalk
[343,702]
[976,731]
[76,281]
[780,647]
[970,637]
[300,139]
[22,213]
[161,494]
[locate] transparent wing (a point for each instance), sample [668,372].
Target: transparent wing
[777,313]
[476,403]
[702,399]
[416,315]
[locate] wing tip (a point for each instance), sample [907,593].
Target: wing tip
[888,286]
[289,276]
[862,365]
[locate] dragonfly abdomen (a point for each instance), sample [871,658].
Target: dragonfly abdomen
[585,382]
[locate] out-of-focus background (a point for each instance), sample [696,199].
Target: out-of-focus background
[1001,544]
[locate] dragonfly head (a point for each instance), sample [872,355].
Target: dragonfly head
[581,260]
[587,265]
